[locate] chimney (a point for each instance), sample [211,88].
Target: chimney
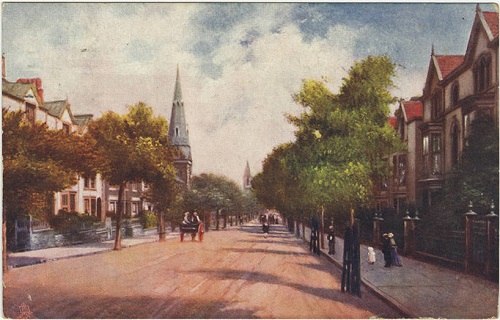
[3,66]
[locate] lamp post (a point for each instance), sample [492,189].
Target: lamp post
[469,219]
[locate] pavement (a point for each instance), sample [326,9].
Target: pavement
[417,289]
[423,290]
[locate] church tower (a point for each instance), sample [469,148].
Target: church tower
[178,134]
[247,178]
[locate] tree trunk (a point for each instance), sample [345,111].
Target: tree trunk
[322,228]
[216,219]
[4,243]
[225,219]
[351,217]
[118,237]
[162,235]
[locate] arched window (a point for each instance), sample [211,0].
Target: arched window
[482,73]
[455,94]
[454,135]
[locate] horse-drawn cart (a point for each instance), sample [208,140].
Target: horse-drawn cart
[193,229]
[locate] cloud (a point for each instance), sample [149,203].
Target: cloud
[240,63]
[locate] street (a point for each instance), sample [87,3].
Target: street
[236,273]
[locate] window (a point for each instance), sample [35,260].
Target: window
[437,107]
[68,201]
[135,208]
[425,154]
[112,206]
[436,154]
[66,128]
[455,94]
[89,183]
[30,113]
[482,73]
[454,133]
[176,132]
[399,170]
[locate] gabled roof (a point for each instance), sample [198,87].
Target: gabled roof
[491,19]
[446,64]
[82,119]
[56,108]
[19,90]
[412,110]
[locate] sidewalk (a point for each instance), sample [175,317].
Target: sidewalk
[26,258]
[420,289]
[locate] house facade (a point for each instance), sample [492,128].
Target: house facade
[26,95]
[436,125]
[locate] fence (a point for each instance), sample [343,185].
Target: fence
[473,250]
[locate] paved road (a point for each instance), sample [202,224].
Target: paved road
[232,274]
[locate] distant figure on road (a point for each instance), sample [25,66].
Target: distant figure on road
[331,240]
[265,225]
[371,255]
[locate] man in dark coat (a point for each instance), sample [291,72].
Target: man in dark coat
[386,250]
[331,240]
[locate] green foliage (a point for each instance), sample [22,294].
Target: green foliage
[71,221]
[341,143]
[134,148]
[212,192]
[37,160]
[474,179]
[148,219]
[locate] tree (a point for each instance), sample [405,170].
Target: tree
[134,148]
[210,192]
[474,178]
[38,162]
[341,142]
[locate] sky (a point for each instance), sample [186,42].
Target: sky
[239,63]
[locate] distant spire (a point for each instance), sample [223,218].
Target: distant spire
[247,178]
[178,91]
[478,8]
[432,50]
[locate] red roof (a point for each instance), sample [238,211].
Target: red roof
[413,109]
[492,21]
[393,122]
[448,63]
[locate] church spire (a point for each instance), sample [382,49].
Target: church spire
[178,129]
[178,91]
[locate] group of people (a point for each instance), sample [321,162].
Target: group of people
[191,218]
[390,250]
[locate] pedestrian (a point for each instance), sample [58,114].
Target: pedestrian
[371,255]
[331,240]
[394,251]
[386,250]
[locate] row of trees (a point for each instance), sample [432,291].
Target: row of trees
[128,148]
[214,193]
[123,148]
[341,142]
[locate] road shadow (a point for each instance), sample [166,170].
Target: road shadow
[332,293]
[283,252]
[70,305]
[267,241]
